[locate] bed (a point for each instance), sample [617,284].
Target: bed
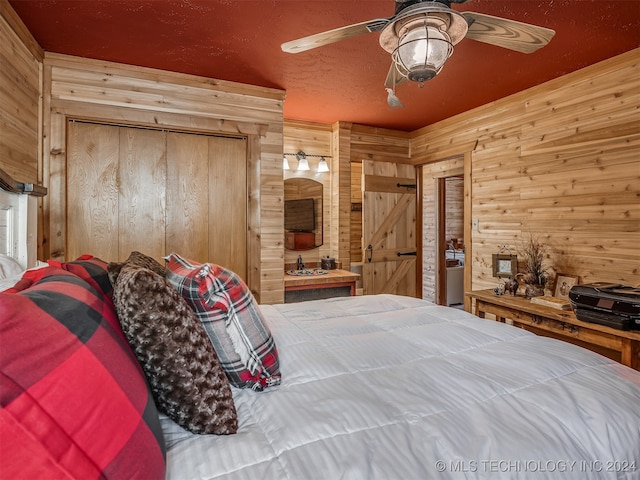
[384,386]
[372,387]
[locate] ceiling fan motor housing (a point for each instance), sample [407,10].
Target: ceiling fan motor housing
[402,4]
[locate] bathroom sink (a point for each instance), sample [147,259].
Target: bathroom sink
[306,272]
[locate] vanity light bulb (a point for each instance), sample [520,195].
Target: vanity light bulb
[303,164]
[323,166]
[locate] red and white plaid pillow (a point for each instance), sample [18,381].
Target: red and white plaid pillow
[232,319]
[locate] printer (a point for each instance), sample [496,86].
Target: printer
[610,304]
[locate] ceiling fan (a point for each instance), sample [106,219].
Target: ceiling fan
[420,36]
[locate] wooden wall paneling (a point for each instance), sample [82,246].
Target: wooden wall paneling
[454,208]
[20,33]
[114,93]
[268,233]
[54,235]
[254,228]
[20,97]
[468,229]
[441,240]
[379,144]
[142,179]
[94,155]
[559,161]
[227,204]
[188,196]
[355,229]
[341,193]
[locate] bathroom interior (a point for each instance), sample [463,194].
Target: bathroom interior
[454,241]
[317,248]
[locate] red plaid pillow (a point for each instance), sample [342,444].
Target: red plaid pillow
[92,270]
[75,403]
[240,336]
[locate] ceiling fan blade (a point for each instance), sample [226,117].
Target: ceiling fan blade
[333,36]
[511,34]
[394,77]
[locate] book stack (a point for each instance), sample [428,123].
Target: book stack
[554,302]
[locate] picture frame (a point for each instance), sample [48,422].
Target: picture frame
[504,265]
[564,282]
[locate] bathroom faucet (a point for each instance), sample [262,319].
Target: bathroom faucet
[300,264]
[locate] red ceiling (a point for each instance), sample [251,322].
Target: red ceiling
[239,40]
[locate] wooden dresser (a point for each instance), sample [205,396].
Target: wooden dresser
[620,345]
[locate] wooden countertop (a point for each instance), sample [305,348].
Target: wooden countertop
[332,276]
[567,316]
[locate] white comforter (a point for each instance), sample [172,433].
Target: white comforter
[389,387]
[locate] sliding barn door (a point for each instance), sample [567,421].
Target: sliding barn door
[389,228]
[157,192]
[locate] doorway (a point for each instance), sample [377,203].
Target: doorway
[434,225]
[451,240]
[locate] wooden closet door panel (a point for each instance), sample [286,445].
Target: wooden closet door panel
[188,196]
[142,178]
[228,203]
[92,190]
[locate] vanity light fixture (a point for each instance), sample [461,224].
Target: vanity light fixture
[303,163]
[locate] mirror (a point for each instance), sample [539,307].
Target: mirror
[302,214]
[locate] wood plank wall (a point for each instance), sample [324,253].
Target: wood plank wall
[20,88]
[21,104]
[454,209]
[560,161]
[114,93]
[341,193]
[355,227]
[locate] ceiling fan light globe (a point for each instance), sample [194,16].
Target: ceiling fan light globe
[422,52]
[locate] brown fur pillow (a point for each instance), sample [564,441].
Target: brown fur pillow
[135,258]
[175,353]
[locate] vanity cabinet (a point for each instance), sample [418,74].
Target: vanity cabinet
[335,283]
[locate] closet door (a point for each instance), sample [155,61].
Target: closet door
[188,196]
[92,190]
[207,199]
[228,200]
[157,192]
[115,191]
[142,176]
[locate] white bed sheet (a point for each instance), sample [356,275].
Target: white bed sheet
[386,387]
